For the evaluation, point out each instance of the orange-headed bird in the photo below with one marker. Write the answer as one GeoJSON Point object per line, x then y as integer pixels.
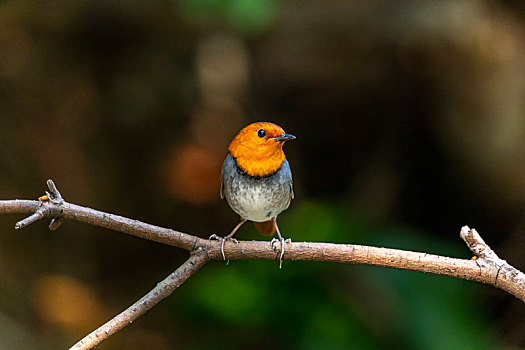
{"type": "Point", "coordinates": [257, 180]}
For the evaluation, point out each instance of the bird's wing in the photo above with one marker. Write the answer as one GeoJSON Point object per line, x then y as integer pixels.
{"type": "Point", "coordinates": [222, 185]}
{"type": "Point", "coordinates": [291, 195]}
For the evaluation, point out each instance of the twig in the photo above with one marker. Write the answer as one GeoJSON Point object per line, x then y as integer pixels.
{"type": "Point", "coordinates": [39, 214]}
{"type": "Point", "coordinates": [486, 268]}
{"type": "Point", "coordinates": [55, 198]}
{"type": "Point", "coordinates": [503, 275]}
{"type": "Point", "coordinates": [161, 291]}
{"type": "Point", "coordinates": [55, 194]}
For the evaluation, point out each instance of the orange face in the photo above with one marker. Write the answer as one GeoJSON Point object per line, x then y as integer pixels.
{"type": "Point", "coordinates": [258, 148]}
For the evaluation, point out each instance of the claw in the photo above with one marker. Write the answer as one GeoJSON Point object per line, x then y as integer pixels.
{"type": "Point", "coordinates": [223, 239]}
{"type": "Point", "coordinates": [283, 242]}
{"type": "Point", "coordinates": [274, 240]}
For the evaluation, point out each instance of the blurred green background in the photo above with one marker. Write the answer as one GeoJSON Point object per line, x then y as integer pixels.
{"type": "Point", "coordinates": [410, 123]}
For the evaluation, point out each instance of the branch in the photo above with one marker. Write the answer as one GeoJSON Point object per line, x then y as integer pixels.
{"type": "Point", "coordinates": [161, 291]}
{"type": "Point", "coordinates": [485, 267]}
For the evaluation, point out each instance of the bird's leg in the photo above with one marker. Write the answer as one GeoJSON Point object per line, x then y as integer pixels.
{"type": "Point", "coordinates": [229, 237]}
{"type": "Point", "coordinates": [282, 240]}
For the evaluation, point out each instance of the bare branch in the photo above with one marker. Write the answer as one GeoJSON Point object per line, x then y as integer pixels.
{"type": "Point", "coordinates": [55, 194]}
{"type": "Point", "coordinates": [55, 198]}
{"type": "Point", "coordinates": [98, 218]}
{"type": "Point", "coordinates": [39, 214]}
{"type": "Point", "coordinates": [506, 276]}
{"type": "Point", "coordinates": [478, 246]}
{"type": "Point", "coordinates": [161, 291]}
{"type": "Point", "coordinates": [486, 267]}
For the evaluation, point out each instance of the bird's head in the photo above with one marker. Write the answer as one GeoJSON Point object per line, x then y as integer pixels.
{"type": "Point", "coordinates": [258, 148]}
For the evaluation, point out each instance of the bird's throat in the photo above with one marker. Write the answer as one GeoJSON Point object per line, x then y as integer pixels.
{"type": "Point", "coordinates": [261, 167]}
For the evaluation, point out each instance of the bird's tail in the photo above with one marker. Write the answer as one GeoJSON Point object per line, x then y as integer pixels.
{"type": "Point", "coordinates": [265, 228]}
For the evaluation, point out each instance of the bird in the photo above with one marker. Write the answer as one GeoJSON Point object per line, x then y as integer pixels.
{"type": "Point", "coordinates": [256, 180]}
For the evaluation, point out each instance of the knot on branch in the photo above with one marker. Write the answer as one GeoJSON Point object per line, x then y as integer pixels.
{"type": "Point", "coordinates": [50, 205]}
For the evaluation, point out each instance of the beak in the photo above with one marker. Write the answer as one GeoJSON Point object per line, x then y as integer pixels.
{"type": "Point", "coordinates": [284, 137]}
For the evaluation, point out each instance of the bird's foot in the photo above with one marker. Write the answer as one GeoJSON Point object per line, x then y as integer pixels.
{"type": "Point", "coordinates": [223, 239]}
{"type": "Point", "coordinates": [282, 241]}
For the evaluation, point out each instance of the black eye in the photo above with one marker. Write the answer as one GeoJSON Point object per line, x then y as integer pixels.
{"type": "Point", "coordinates": [261, 133]}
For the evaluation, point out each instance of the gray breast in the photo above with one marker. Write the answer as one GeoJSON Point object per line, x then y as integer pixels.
{"type": "Point", "coordinates": [256, 198]}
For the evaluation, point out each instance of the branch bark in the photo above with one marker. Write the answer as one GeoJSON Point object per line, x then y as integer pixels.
{"type": "Point", "coordinates": [485, 267]}
{"type": "Point", "coordinates": [161, 291]}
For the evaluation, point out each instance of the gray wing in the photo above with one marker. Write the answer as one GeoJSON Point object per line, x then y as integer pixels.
{"type": "Point", "coordinates": [291, 195]}
{"type": "Point", "coordinates": [286, 172]}
{"type": "Point", "coordinates": [226, 171]}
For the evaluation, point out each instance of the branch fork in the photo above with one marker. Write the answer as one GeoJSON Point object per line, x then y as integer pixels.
{"type": "Point", "coordinates": [478, 246]}
{"type": "Point", "coordinates": [49, 205]}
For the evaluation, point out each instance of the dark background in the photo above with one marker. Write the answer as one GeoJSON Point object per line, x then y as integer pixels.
{"type": "Point", "coordinates": [410, 123]}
